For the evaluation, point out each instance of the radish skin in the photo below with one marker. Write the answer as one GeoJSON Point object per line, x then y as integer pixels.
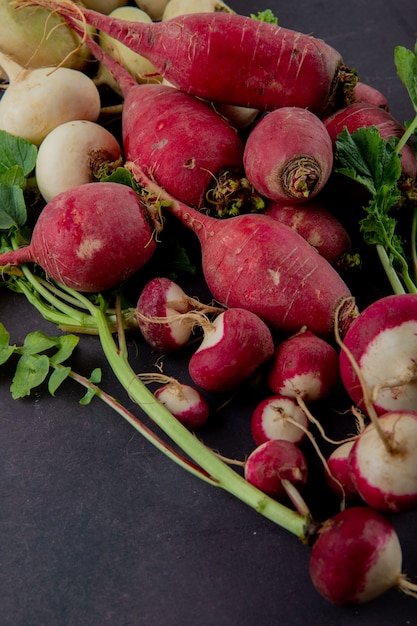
{"type": "Point", "coordinates": [185, 402]}
{"type": "Point", "coordinates": [339, 468]}
{"type": "Point", "coordinates": [278, 417]}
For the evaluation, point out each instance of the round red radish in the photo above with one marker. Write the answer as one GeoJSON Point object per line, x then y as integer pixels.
{"type": "Point", "coordinates": [234, 346]}
{"type": "Point", "coordinates": [356, 557]}
{"type": "Point", "coordinates": [185, 402]}
{"type": "Point", "coordinates": [366, 93]}
{"type": "Point", "coordinates": [318, 226]}
{"type": "Point", "coordinates": [338, 464]}
{"type": "Point", "coordinates": [304, 365]}
{"type": "Point", "coordinates": [90, 237]}
{"type": "Point", "coordinates": [383, 343]}
{"type": "Point", "coordinates": [273, 461]}
{"type": "Point", "coordinates": [274, 417]}
{"type": "Point", "coordinates": [386, 477]}
{"type": "Point", "coordinates": [288, 155]}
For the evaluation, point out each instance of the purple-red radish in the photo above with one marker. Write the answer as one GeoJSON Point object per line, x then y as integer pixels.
{"type": "Point", "coordinates": [304, 366]}
{"type": "Point", "coordinates": [185, 402]}
{"type": "Point", "coordinates": [366, 93]}
{"type": "Point", "coordinates": [207, 54]}
{"type": "Point", "coordinates": [364, 115]}
{"type": "Point", "coordinates": [235, 344]}
{"type": "Point", "coordinates": [254, 262]}
{"type": "Point", "coordinates": [357, 557]}
{"type": "Point", "coordinates": [383, 343]}
{"type": "Point", "coordinates": [339, 477]}
{"type": "Point", "coordinates": [288, 155]}
{"type": "Point", "coordinates": [274, 461]}
{"type": "Point", "coordinates": [383, 462]}
{"type": "Point", "coordinates": [278, 417]}
{"type": "Point", "coordinates": [316, 224]}
{"type": "Point", "coordinates": [81, 240]}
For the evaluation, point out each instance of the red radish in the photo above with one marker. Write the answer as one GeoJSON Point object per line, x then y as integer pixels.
{"type": "Point", "coordinates": [339, 469]}
{"type": "Point", "coordinates": [234, 346]}
{"type": "Point", "coordinates": [185, 402]}
{"type": "Point", "coordinates": [207, 54]}
{"type": "Point", "coordinates": [383, 343]}
{"type": "Point", "coordinates": [304, 366]}
{"type": "Point", "coordinates": [288, 155]}
{"type": "Point", "coordinates": [366, 93]}
{"type": "Point", "coordinates": [273, 461]}
{"type": "Point", "coordinates": [384, 465]}
{"type": "Point", "coordinates": [278, 417]}
{"type": "Point", "coordinates": [81, 241]}
{"type": "Point", "coordinates": [356, 557]}
{"type": "Point", "coordinates": [316, 224]}
{"type": "Point", "coordinates": [363, 115]}
{"type": "Point", "coordinates": [257, 263]}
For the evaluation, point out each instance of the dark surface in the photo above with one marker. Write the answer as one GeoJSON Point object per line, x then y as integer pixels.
{"type": "Point", "coordinates": [100, 529]}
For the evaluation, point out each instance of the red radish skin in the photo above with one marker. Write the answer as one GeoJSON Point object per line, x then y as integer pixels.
{"type": "Point", "coordinates": [234, 346]}
{"type": "Point", "coordinates": [366, 93]}
{"type": "Point", "coordinates": [288, 155]}
{"type": "Point", "coordinates": [257, 263]}
{"type": "Point", "coordinates": [316, 224]}
{"type": "Point", "coordinates": [81, 240]}
{"type": "Point", "coordinates": [304, 366]}
{"type": "Point", "coordinates": [278, 417]}
{"type": "Point", "coordinates": [199, 54]}
{"type": "Point", "coordinates": [185, 402]}
{"type": "Point", "coordinates": [383, 342]}
{"type": "Point", "coordinates": [273, 461]}
{"type": "Point", "coordinates": [363, 115]}
{"type": "Point", "coordinates": [386, 478]}
{"type": "Point", "coordinates": [338, 464]}
{"type": "Point", "coordinates": [356, 558]}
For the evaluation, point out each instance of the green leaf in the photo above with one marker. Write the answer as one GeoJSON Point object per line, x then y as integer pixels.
{"type": "Point", "coordinates": [57, 377]}
{"type": "Point", "coordinates": [265, 16]}
{"type": "Point", "coordinates": [6, 350]}
{"type": "Point", "coordinates": [66, 346]}
{"type": "Point", "coordinates": [406, 64]}
{"type": "Point", "coordinates": [120, 175]}
{"type": "Point", "coordinates": [16, 151]}
{"type": "Point", "coordinates": [31, 371]}
{"type": "Point", "coordinates": [38, 342]}
{"type": "Point", "coordinates": [13, 177]}
{"type": "Point", "coordinates": [12, 207]}
{"type": "Point", "coordinates": [95, 378]}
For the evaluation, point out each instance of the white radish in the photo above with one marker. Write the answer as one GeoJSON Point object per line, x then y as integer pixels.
{"type": "Point", "coordinates": [36, 101]}
{"type": "Point", "coordinates": [278, 417]}
{"type": "Point", "coordinates": [154, 8]}
{"type": "Point", "coordinates": [104, 6]}
{"type": "Point", "coordinates": [182, 7]}
{"type": "Point", "coordinates": [75, 153]}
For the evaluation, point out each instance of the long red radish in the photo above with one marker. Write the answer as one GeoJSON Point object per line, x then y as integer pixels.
{"type": "Point", "coordinates": [230, 58]}
{"type": "Point", "coordinates": [254, 262]}
{"type": "Point", "coordinates": [83, 241]}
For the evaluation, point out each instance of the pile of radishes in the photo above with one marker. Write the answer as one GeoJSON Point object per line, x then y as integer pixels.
{"type": "Point", "coordinates": [199, 143]}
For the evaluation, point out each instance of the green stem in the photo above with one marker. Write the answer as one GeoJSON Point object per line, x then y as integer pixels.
{"type": "Point", "coordinates": [406, 135]}
{"type": "Point", "coordinates": [391, 274]}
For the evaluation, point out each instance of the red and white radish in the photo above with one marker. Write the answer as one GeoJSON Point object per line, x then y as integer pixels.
{"type": "Point", "coordinates": [82, 242]}
{"type": "Point", "coordinates": [257, 263]}
{"type": "Point", "coordinates": [278, 417]}
{"type": "Point", "coordinates": [36, 100]}
{"type": "Point", "coordinates": [235, 344]}
{"type": "Point", "coordinates": [319, 227]}
{"type": "Point", "coordinates": [199, 54]}
{"type": "Point", "coordinates": [288, 155]}
{"type": "Point", "coordinates": [75, 153]}
{"type": "Point", "coordinates": [185, 402]}
{"type": "Point", "coordinates": [304, 366]}
{"type": "Point", "coordinates": [274, 461]}
{"type": "Point", "coordinates": [356, 557]}
{"type": "Point", "coordinates": [339, 475]}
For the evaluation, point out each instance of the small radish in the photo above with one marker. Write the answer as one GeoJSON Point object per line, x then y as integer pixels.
{"type": "Point", "coordinates": [278, 417]}
{"type": "Point", "coordinates": [235, 344]}
{"type": "Point", "coordinates": [274, 461]}
{"type": "Point", "coordinates": [339, 469]}
{"type": "Point", "coordinates": [288, 155]}
{"type": "Point", "coordinates": [36, 101]}
{"type": "Point", "coordinates": [184, 401]}
{"type": "Point", "coordinates": [357, 557]}
{"type": "Point", "coordinates": [81, 241]}
{"type": "Point", "coordinates": [316, 224]}
{"type": "Point", "coordinates": [304, 366]}
{"type": "Point", "coordinates": [75, 153]}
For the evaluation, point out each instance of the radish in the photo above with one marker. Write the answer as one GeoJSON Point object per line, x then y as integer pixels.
{"type": "Point", "coordinates": [104, 6]}
{"type": "Point", "coordinates": [362, 114]}
{"type": "Point", "coordinates": [82, 242]}
{"type": "Point", "coordinates": [274, 461]}
{"type": "Point", "coordinates": [174, 8]}
{"type": "Point", "coordinates": [154, 8]}
{"type": "Point", "coordinates": [75, 153]}
{"type": "Point", "coordinates": [383, 343]}
{"type": "Point", "coordinates": [339, 477]}
{"type": "Point", "coordinates": [235, 344]}
{"type": "Point", "coordinates": [207, 54]}
{"type": "Point", "coordinates": [366, 93]}
{"type": "Point", "coordinates": [257, 263]}
{"type": "Point", "coordinates": [357, 557]}
{"type": "Point", "coordinates": [36, 101]}
{"type": "Point", "coordinates": [278, 417]}
{"type": "Point", "coordinates": [288, 155]}
{"type": "Point", "coordinates": [304, 366]}
{"type": "Point", "coordinates": [319, 227]}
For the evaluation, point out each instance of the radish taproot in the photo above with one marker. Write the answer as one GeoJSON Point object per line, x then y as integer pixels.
{"type": "Point", "coordinates": [82, 242]}
{"type": "Point", "coordinates": [199, 53]}
{"type": "Point", "coordinates": [288, 155]}
{"type": "Point", "coordinates": [278, 417]}
{"type": "Point", "coordinates": [257, 263]}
